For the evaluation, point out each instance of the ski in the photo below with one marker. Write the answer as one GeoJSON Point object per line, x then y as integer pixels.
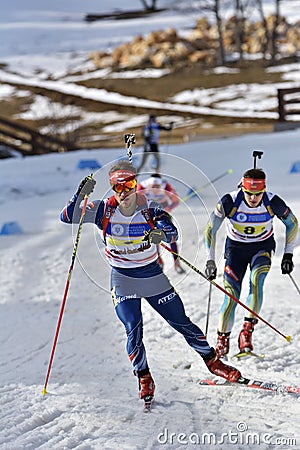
{"type": "Point", "coordinates": [244, 354]}
{"type": "Point", "coordinates": [148, 400]}
{"type": "Point", "coordinates": [255, 384]}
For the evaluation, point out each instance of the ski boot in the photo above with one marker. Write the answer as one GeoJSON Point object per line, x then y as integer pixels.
{"type": "Point", "coordinates": [178, 267]}
{"type": "Point", "coordinates": [146, 384]}
{"type": "Point", "coordinates": [217, 367]}
{"type": "Point", "coordinates": [245, 336]}
{"type": "Point", "coordinates": [222, 346]}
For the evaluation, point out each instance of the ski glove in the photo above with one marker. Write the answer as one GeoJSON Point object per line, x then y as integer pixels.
{"type": "Point", "coordinates": [168, 228]}
{"type": "Point", "coordinates": [211, 269]}
{"type": "Point", "coordinates": [155, 236]}
{"type": "Point", "coordinates": [287, 264]}
{"type": "Point", "coordinates": [86, 186]}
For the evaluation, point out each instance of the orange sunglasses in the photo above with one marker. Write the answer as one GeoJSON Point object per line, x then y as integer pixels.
{"type": "Point", "coordinates": [126, 186]}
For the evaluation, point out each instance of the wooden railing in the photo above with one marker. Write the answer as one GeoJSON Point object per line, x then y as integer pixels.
{"type": "Point", "coordinates": [29, 141]}
{"type": "Point", "coordinates": [288, 100]}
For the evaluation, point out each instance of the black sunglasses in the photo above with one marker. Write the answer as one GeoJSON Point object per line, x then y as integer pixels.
{"type": "Point", "coordinates": [252, 193]}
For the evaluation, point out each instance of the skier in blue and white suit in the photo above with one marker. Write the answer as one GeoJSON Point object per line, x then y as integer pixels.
{"type": "Point", "coordinates": [248, 213]}
{"type": "Point", "coordinates": [131, 227]}
{"type": "Point", "coordinates": [151, 134]}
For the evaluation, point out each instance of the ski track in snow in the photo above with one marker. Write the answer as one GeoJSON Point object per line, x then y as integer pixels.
{"type": "Point", "coordinates": [92, 400]}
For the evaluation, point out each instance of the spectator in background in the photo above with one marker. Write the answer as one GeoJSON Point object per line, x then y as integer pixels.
{"type": "Point", "coordinates": [159, 190]}
{"type": "Point", "coordinates": [151, 133]}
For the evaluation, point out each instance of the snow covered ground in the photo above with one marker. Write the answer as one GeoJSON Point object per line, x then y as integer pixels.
{"type": "Point", "coordinates": [92, 398]}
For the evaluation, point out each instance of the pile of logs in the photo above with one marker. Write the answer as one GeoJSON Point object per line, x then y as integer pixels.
{"type": "Point", "coordinates": [166, 48]}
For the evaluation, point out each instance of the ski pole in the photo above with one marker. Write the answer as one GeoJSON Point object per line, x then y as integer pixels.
{"type": "Point", "coordinates": [287, 338]}
{"type": "Point", "coordinates": [129, 140]}
{"type": "Point", "coordinates": [294, 283]}
{"type": "Point", "coordinates": [208, 308]}
{"type": "Point", "coordinates": [187, 197]}
{"type": "Point", "coordinates": [44, 391]}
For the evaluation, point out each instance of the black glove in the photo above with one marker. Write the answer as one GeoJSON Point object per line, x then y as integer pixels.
{"type": "Point", "coordinates": [86, 187]}
{"type": "Point", "coordinates": [211, 269]}
{"type": "Point", "coordinates": [156, 235]}
{"type": "Point", "coordinates": [287, 264]}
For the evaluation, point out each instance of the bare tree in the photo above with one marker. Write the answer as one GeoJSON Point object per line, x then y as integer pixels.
{"type": "Point", "coordinates": [271, 34]}
{"type": "Point", "coordinates": [242, 10]}
{"type": "Point", "coordinates": [274, 48]}
{"type": "Point", "coordinates": [214, 6]}
{"type": "Point", "coordinates": [239, 30]}
{"type": "Point", "coordinates": [219, 7]}
{"type": "Point", "coordinates": [220, 31]}
{"type": "Point", "coordinates": [265, 44]}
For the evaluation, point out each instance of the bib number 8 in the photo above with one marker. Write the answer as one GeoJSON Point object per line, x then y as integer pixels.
{"type": "Point", "coordinates": [253, 230]}
{"type": "Point", "coordinates": [249, 230]}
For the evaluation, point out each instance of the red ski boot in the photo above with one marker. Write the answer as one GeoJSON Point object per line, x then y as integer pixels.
{"type": "Point", "coordinates": [217, 367]}
{"type": "Point", "coordinates": [222, 347]}
{"type": "Point", "coordinates": [245, 336]}
{"type": "Point", "coordinates": [146, 386]}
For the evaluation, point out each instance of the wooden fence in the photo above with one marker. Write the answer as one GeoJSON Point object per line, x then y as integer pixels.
{"type": "Point", "coordinates": [288, 103]}
{"type": "Point", "coordinates": [29, 141]}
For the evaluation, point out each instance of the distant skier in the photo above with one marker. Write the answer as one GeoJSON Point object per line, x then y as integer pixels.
{"type": "Point", "coordinates": [132, 226]}
{"type": "Point", "coordinates": [249, 213]}
{"type": "Point", "coordinates": [151, 133]}
{"type": "Point", "coordinates": [159, 190]}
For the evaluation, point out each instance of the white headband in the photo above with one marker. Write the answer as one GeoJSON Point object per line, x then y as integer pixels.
{"type": "Point", "coordinates": [155, 180]}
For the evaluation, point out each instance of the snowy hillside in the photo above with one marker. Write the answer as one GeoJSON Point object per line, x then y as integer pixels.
{"type": "Point", "coordinates": [92, 400]}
